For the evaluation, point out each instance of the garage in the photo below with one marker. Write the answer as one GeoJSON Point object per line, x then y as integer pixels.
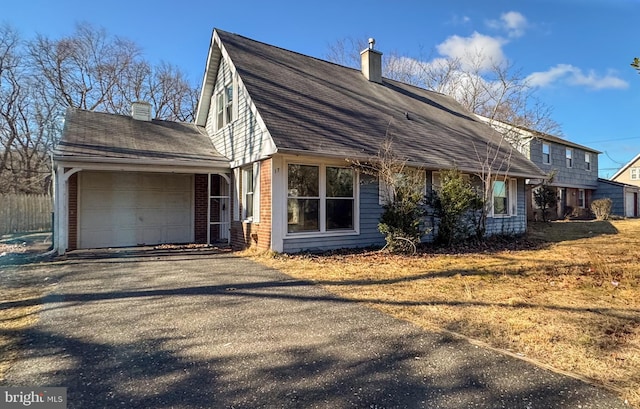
{"type": "Point", "coordinates": [121, 209]}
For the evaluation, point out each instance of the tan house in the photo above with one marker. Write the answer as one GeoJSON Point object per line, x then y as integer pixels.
{"type": "Point", "coordinates": [629, 173]}
{"type": "Point", "coordinates": [267, 162]}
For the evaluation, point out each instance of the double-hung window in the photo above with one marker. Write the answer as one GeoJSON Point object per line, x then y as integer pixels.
{"type": "Point", "coordinates": [224, 106]}
{"type": "Point", "coordinates": [248, 186]}
{"type": "Point", "coordinates": [569, 156]}
{"type": "Point", "coordinates": [587, 161]}
{"type": "Point", "coordinates": [504, 197]}
{"type": "Point", "coordinates": [546, 153]}
{"type": "Point", "coordinates": [635, 173]}
{"type": "Point", "coordinates": [320, 198]}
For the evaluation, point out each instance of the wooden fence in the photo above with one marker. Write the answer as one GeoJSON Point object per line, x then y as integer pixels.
{"type": "Point", "coordinates": [23, 213]}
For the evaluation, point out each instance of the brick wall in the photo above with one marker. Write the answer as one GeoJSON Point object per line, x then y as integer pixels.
{"type": "Point", "coordinates": [73, 212]}
{"type": "Point", "coordinates": [200, 208]}
{"type": "Point", "coordinates": [244, 235]}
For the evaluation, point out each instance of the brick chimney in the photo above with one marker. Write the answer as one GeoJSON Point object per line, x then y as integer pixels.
{"type": "Point", "coordinates": [371, 61]}
{"type": "Point", "coordinates": [141, 111]}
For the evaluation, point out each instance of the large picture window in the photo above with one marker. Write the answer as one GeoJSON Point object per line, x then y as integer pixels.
{"type": "Point", "coordinates": [320, 198]}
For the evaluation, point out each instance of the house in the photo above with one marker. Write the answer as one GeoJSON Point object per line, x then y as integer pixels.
{"type": "Point", "coordinates": [624, 197]}
{"type": "Point", "coordinates": [630, 173]}
{"type": "Point", "coordinates": [268, 160]}
{"type": "Point", "coordinates": [575, 167]}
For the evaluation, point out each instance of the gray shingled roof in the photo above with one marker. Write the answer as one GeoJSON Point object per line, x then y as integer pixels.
{"type": "Point", "coordinates": [99, 136]}
{"type": "Point", "coordinates": [317, 107]}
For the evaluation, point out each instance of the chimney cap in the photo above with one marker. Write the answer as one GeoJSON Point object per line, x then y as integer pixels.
{"type": "Point", "coordinates": [372, 42]}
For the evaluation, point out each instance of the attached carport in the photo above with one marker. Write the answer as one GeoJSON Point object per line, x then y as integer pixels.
{"type": "Point", "coordinates": [125, 181]}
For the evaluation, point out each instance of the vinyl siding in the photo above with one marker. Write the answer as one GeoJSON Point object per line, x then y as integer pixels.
{"type": "Point", "coordinates": [369, 236]}
{"type": "Point", "coordinates": [243, 140]}
{"type": "Point", "coordinates": [513, 224]}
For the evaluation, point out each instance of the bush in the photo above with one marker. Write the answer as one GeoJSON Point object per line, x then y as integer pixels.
{"type": "Point", "coordinates": [454, 204]}
{"type": "Point", "coordinates": [401, 221]}
{"type": "Point", "coordinates": [602, 208]}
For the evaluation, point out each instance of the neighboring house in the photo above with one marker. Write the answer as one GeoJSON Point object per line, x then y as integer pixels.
{"type": "Point", "coordinates": [575, 167]}
{"type": "Point", "coordinates": [624, 197]}
{"type": "Point", "coordinates": [630, 173]}
{"type": "Point", "coordinates": [268, 160]}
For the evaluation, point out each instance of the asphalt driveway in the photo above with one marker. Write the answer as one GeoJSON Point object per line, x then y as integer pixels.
{"type": "Point", "coordinates": [196, 329]}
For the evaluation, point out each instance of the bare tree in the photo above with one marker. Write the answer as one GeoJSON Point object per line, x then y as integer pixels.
{"type": "Point", "coordinates": [89, 69]}
{"type": "Point", "coordinates": [95, 71]}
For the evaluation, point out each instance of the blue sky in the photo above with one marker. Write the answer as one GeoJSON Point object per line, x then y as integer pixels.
{"type": "Point", "coordinates": [576, 52]}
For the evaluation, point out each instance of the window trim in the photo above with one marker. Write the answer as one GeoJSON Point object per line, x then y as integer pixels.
{"type": "Point", "coordinates": [384, 191]}
{"type": "Point", "coordinates": [548, 157]}
{"type": "Point", "coordinates": [511, 185]}
{"type": "Point", "coordinates": [322, 198]}
{"type": "Point", "coordinates": [224, 107]}
{"type": "Point", "coordinates": [569, 157]}
{"type": "Point", "coordinates": [254, 217]}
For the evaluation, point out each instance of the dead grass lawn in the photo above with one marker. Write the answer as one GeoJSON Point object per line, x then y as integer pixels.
{"type": "Point", "coordinates": [12, 321]}
{"type": "Point", "coordinates": [573, 303]}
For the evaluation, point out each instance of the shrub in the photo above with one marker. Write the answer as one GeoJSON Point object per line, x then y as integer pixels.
{"type": "Point", "coordinates": [454, 205]}
{"type": "Point", "coordinates": [401, 221]}
{"type": "Point", "coordinates": [602, 208]}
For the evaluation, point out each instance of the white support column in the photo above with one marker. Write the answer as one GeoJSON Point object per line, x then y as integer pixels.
{"type": "Point", "coordinates": [61, 208]}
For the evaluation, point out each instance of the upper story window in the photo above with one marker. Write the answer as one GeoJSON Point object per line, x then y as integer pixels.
{"type": "Point", "coordinates": [546, 153]}
{"type": "Point", "coordinates": [587, 160]}
{"type": "Point", "coordinates": [569, 156]}
{"type": "Point", "coordinates": [504, 198]}
{"type": "Point", "coordinates": [320, 198]}
{"type": "Point", "coordinates": [635, 173]}
{"type": "Point", "coordinates": [225, 112]}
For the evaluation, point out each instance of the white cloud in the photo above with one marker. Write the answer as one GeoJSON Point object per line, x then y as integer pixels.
{"type": "Point", "coordinates": [575, 76]}
{"type": "Point", "coordinates": [513, 22]}
{"type": "Point", "coordinates": [478, 50]}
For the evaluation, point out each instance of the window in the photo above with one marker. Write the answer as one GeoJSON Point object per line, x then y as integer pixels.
{"type": "Point", "coordinates": [219, 110]}
{"type": "Point", "coordinates": [228, 107]}
{"type": "Point", "coordinates": [340, 201]}
{"type": "Point", "coordinates": [504, 198]}
{"type": "Point", "coordinates": [247, 190]}
{"type": "Point", "coordinates": [569, 156]}
{"type": "Point", "coordinates": [581, 198]}
{"type": "Point", "coordinates": [410, 177]}
{"type": "Point", "coordinates": [546, 153]}
{"type": "Point", "coordinates": [587, 161]}
{"type": "Point", "coordinates": [635, 173]}
{"type": "Point", "coordinates": [320, 198]}
{"type": "Point", "coordinates": [224, 106]}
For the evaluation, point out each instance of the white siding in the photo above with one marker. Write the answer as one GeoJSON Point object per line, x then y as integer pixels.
{"type": "Point", "coordinates": [244, 140]}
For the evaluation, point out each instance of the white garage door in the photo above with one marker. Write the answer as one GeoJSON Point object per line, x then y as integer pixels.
{"type": "Point", "coordinates": [119, 209]}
